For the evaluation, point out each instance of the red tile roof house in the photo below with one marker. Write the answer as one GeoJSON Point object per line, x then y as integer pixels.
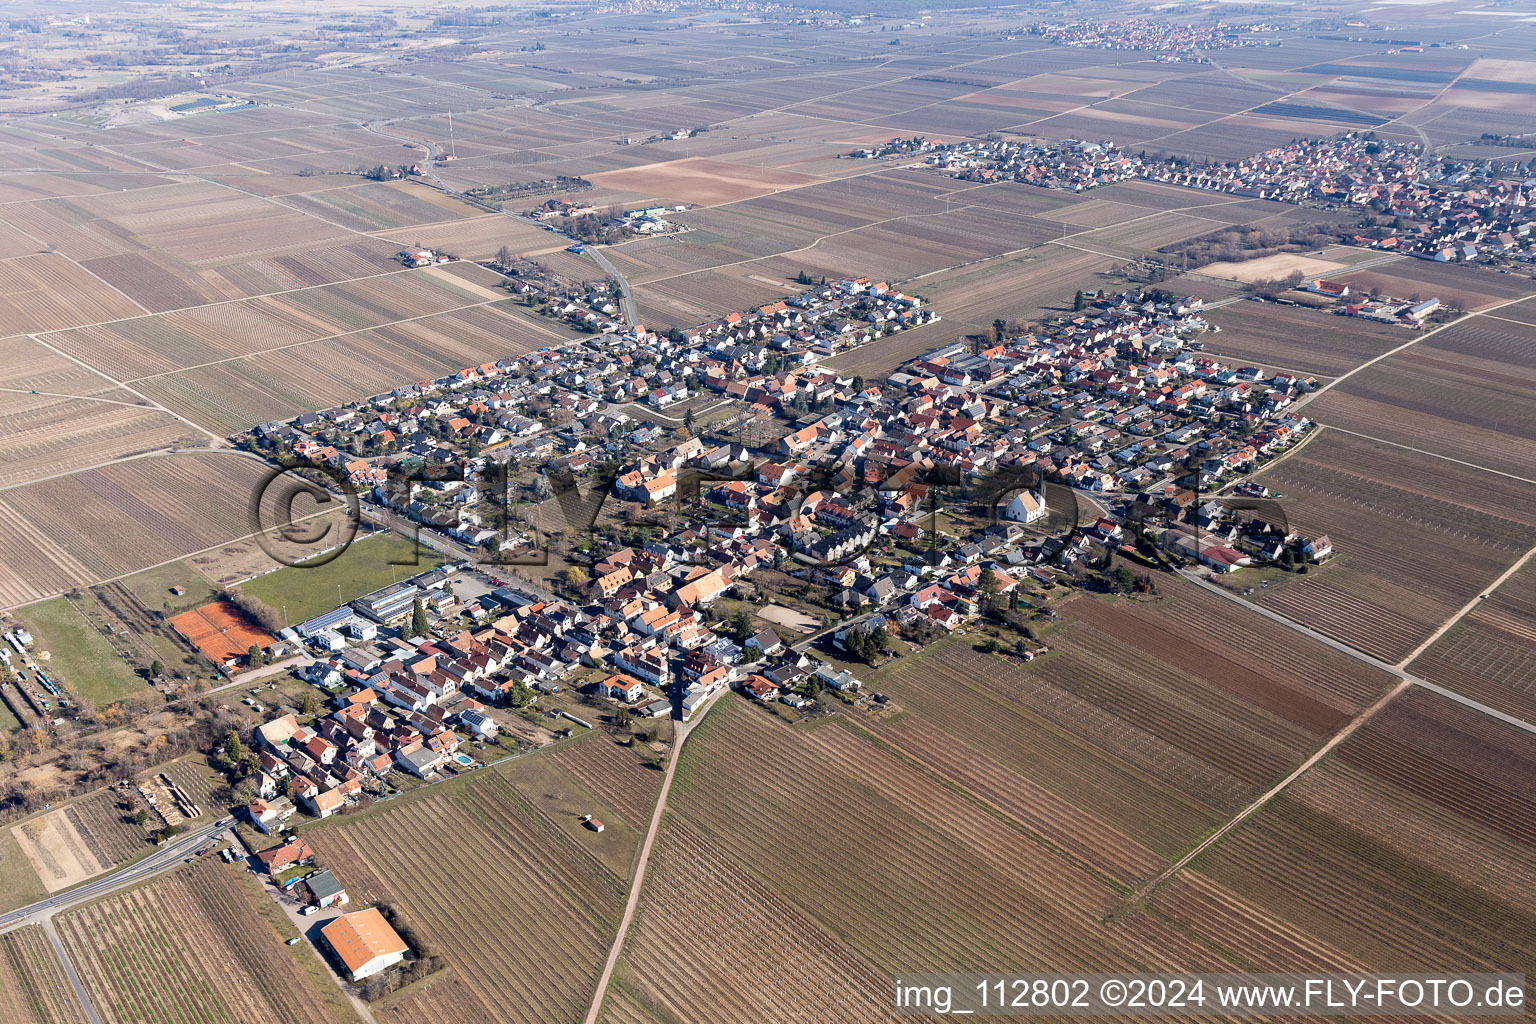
{"type": "Point", "coordinates": [279, 858]}
{"type": "Point", "coordinates": [1332, 289]}
{"type": "Point", "coordinates": [759, 688]}
{"type": "Point", "coordinates": [943, 615]}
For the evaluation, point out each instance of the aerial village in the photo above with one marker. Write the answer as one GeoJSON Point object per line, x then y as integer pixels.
{"type": "Point", "coordinates": [830, 481]}
{"type": "Point", "coordinates": [1175, 42]}
{"type": "Point", "coordinates": [1444, 210]}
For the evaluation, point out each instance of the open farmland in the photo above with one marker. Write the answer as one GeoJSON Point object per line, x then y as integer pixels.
{"type": "Point", "coordinates": [151, 345]}
{"type": "Point", "coordinates": [479, 237]}
{"type": "Point", "coordinates": [96, 832]}
{"type": "Point", "coordinates": [228, 365]}
{"type": "Point", "coordinates": [1470, 288]}
{"type": "Point", "coordinates": [1411, 845]}
{"type": "Point", "coordinates": [28, 365]}
{"type": "Point", "coordinates": [189, 946]}
{"type": "Point", "coordinates": [1523, 312]}
{"type": "Point", "coordinates": [62, 848]}
{"type": "Point", "coordinates": [1414, 538]}
{"type": "Point", "coordinates": [33, 988]}
{"type": "Point", "coordinates": [766, 846]}
{"type": "Point", "coordinates": [194, 221]}
{"type": "Point", "coordinates": [42, 435]}
{"type": "Point", "coordinates": [509, 840]}
{"type": "Point", "coordinates": [159, 282]}
{"type": "Point", "coordinates": [1146, 723]}
{"type": "Point", "coordinates": [1406, 822]}
{"type": "Point", "coordinates": [1300, 340]}
{"type": "Point", "coordinates": [103, 523]}
{"type": "Point", "coordinates": [234, 393]}
{"type": "Point", "coordinates": [103, 827]}
{"type": "Point", "coordinates": [381, 206]}
{"type": "Point", "coordinates": [1015, 288]}
{"type": "Point", "coordinates": [769, 843]}
{"type": "Point", "coordinates": [865, 224]}
{"type": "Point", "coordinates": [1465, 393]}
{"type": "Point", "coordinates": [614, 774]}
{"type": "Point", "coordinates": [196, 242]}
{"type": "Point", "coordinates": [700, 181]}
{"type": "Point", "coordinates": [1490, 655]}
{"type": "Point", "coordinates": [47, 292]}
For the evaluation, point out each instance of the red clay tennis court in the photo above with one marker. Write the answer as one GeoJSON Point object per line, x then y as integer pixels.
{"type": "Point", "coordinates": [221, 631]}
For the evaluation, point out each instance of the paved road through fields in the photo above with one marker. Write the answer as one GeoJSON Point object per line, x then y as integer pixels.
{"type": "Point", "coordinates": [163, 859]}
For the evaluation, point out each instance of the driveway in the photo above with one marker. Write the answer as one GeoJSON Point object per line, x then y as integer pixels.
{"type": "Point", "coordinates": [308, 927]}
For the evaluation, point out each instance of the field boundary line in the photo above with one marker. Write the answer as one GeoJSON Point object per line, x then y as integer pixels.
{"type": "Point", "coordinates": [1369, 659]}
{"type": "Point", "coordinates": [1507, 320]}
{"type": "Point", "coordinates": [157, 565]}
{"type": "Point", "coordinates": [684, 730]}
{"type": "Point", "coordinates": [1341, 378]}
{"type": "Point", "coordinates": [1094, 252]}
{"type": "Point", "coordinates": [808, 246]}
{"type": "Point", "coordinates": [1462, 612]}
{"type": "Point", "coordinates": [1274, 791]}
{"type": "Point", "coordinates": [314, 341]}
{"type": "Point", "coordinates": [1008, 254]}
{"type": "Point", "coordinates": [283, 206]}
{"type": "Point", "coordinates": [78, 398]}
{"type": "Point", "coordinates": [1425, 451]}
{"type": "Point", "coordinates": [83, 195]}
{"type": "Point", "coordinates": [157, 453]}
{"type": "Point", "coordinates": [1080, 107]}
{"type": "Point", "coordinates": [223, 302]}
{"type": "Point", "coordinates": [81, 266]}
{"type": "Point", "coordinates": [81, 995]}
{"type": "Point", "coordinates": [216, 438]}
{"type": "Point", "coordinates": [1248, 110]}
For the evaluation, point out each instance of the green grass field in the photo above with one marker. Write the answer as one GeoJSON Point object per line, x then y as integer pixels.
{"type": "Point", "coordinates": [153, 588]}
{"type": "Point", "coordinates": [81, 656]}
{"type": "Point", "coordinates": [308, 591]}
{"type": "Point", "coordinates": [19, 884]}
